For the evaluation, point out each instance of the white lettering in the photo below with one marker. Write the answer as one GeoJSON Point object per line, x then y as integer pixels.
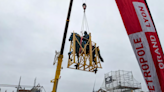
{"type": "Point", "coordinates": [156, 50]}
{"type": "Point", "coordinates": [144, 16]}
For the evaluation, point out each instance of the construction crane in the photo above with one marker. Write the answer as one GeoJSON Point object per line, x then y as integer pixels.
{"type": "Point", "coordinates": [93, 49]}
{"type": "Point", "coordinates": [60, 57]}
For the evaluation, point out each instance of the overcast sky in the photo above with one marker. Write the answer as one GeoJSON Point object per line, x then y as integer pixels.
{"type": "Point", "coordinates": [31, 31]}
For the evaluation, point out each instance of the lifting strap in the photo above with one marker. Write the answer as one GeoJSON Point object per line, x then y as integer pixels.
{"type": "Point", "coordinates": [84, 26]}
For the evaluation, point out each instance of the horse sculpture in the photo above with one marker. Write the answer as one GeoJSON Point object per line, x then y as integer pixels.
{"type": "Point", "coordinates": [83, 42]}
{"type": "Point", "coordinates": [77, 44]}
{"type": "Point", "coordinates": [85, 51]}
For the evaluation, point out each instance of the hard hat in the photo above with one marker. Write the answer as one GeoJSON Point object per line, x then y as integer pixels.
{"type": "Point", "coordinates": [85, 32]}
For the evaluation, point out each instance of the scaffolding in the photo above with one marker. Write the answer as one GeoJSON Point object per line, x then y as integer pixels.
{"type": "Point", "coordinates": [120, 81]}
{"type": "Point", "coordinates": [25, 88]}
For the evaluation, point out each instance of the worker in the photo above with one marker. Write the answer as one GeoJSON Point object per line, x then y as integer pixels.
{"type": "Point", "coordinates": [85, 40]}
{"type": "Point", "coordinates": [85, 37]}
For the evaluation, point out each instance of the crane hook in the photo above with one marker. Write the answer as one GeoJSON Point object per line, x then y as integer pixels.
{"type": "Point", "coordinates": [84, 6]}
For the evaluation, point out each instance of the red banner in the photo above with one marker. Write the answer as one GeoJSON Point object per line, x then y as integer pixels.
{"type": "Point", "coordinates": [145, 42]}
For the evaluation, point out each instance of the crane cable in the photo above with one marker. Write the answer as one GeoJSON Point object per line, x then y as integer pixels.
{"type": "Point", "coordinates": [84, 26]}
{"type": "Point", "coordinates": [83, 1]}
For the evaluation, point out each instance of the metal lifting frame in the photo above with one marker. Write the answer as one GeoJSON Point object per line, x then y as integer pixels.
{"type": "Point", "coordinates": [85, 62]}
